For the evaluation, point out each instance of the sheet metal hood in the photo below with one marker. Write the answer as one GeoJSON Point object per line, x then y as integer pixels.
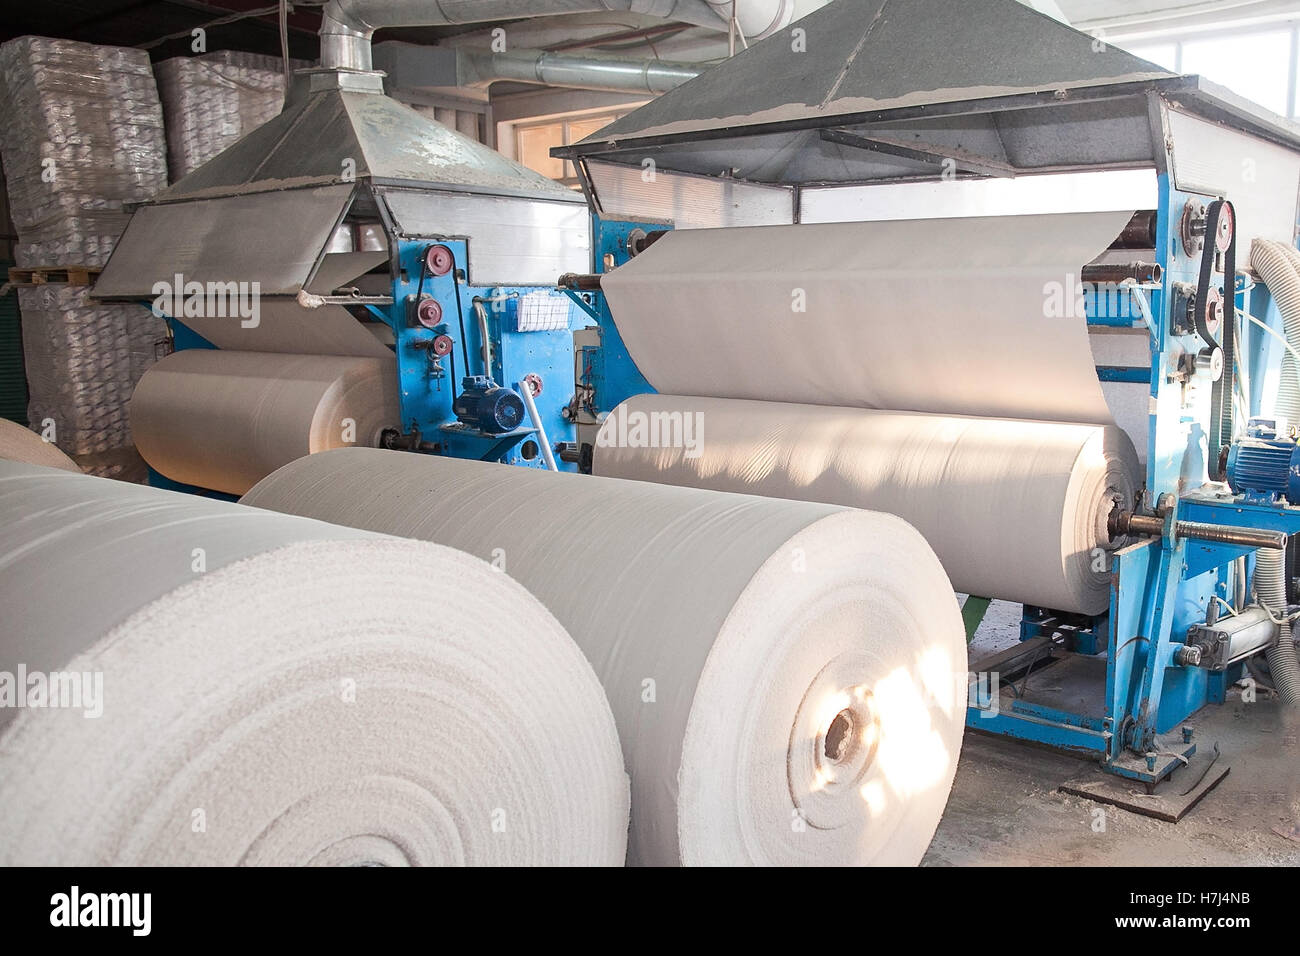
{"type": "Point", "coordinates": [264, 209]}
{"type": "Point", "coordinates": [350, 128]}
{"type": "Point", "coordinates": [865, 90]}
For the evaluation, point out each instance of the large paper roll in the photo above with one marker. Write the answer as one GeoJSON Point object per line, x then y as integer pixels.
{"type": "Point", "coordinates": [223, 420]}
{"type": "Point", "coordinates": [240, 687]}
{"type": "Point", "coordinates": [23, 444]}
{"type": "Point", "coordinates": [789, 679]}
{"type": "Point", "coordinates": [973, 316]}
{"type": "Point", "coordinates": [1015, 509]}
{"type": "Point", "coordinates": [285, 327]}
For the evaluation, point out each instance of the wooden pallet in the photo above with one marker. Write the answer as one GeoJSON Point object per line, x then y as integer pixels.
{"type": "Point", "coordinates": [40, 275]}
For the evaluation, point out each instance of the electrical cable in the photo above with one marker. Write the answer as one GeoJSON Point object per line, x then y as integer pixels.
{"type": "Point", "coordinates": [284, 46]}
{"type": "Point", "coordinates": [1280, 337]}
{"type": "Point", "coordinates": [223, 21]}
{"type": "Point", "coordinates": [1204, 772]}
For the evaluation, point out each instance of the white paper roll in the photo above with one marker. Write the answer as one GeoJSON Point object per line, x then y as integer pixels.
{"type": "Point", "coordinates": [275, 690]}
{"type": "Point", "coordinates": [23, 444]}
{"type": "Point", "coordinates": [285, 327]}
{"type": "Point", "coordinates": [1015, 509]}
{"type": "Point", "coordinates": [223, 420]}
{"type": "Point", "coordinates": [789, 679]}
{"type": "Point", "coordinates": [973, 316]}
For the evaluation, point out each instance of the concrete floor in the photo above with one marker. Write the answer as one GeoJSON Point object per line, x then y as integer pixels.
{"type": "Point", "coordinates": [1005, 808]}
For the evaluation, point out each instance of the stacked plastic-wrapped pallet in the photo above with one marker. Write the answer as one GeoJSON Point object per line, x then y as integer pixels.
{"type": "Point", "coordinates": [82, 139]}
{"type": "Point", "coordinates": [83, 360]}
{"type": "Point", "coordinates": [211, 101]}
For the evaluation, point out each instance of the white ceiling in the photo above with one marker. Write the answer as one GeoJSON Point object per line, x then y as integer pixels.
{"type": "Point", "coordinates": [1123, 16]}
{"type": "Point", "coordinates": [1120, 20]}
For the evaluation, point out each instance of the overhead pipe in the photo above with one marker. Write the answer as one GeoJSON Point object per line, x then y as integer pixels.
{"type": "Point", "coordinates": [348, 25]}
{"type": "Point", "coordinates": [478, 67]}
{"type": "Point", "coordinates": [758, 19]}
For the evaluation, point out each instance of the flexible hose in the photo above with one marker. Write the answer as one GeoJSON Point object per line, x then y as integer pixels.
{"type": "Point", "coordinates": [1283, 662]}
{"type": "Point", "coordinates": [1279, 266]}
{"type": "Point", "coordinates": [1281, 273]}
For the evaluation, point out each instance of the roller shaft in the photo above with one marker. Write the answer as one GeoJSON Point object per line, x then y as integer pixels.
{"type": "Point", "coordinates": [584, 283]}
{"type": "Point", "coordinates": [1143, 273]}
{"type": "Point", "coordinates": [1140, 233]}
{"type": "Point", "coordinates": [1127, 523]}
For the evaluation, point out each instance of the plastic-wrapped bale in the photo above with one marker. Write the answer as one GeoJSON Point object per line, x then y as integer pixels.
{"type": "Point", "coordinates": [211, 101]}
{"type": "Point", "coordinates": [83, 137]}
{"type": "Point", "coordinates": [121, 464]}
{"type": "Point", "coordinates": [84, 359]}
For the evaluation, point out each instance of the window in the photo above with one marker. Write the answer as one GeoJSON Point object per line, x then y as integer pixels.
{"type": "Point", "coordinates": [1258, 64]}
{"type": "Point", "coordinates": [533, 142]}
{"type": "Point", "coordinates": [534, 145]}
{"type": "Point", "coordinates": [1161, 54]}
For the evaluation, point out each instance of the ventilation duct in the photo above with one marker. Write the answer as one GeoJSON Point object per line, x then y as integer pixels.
{"type": "Point", "coordinates": [410, 66]}
{"type": "Point", "coordinates": [348, 25]}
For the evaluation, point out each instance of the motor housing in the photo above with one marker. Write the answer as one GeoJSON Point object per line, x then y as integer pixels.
{"type": "Point", "coordinates": [1265, 464]}
{"type": "Point", "coordinates": [487, 406]}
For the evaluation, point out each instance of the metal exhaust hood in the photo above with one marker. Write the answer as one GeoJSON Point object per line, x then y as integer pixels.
{"type": "Point", "coordinates": [265, 208]}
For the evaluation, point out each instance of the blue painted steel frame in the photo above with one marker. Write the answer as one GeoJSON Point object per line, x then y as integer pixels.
{"type": "Point", "coordinates": [425, 383]}
{"type": "Point", "coordinates": [613, 375]}
{"type": "Point", "coordinates": [1159, 587]}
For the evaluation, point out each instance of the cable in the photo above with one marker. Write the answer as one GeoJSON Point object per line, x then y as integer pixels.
{"type": "Point", "coordinates": [451, 356]}
{"type": "Point", "coordinates": [1144, 306]}
{"type": "Point", "coordinates": [284, 46]}
{"type": "Point", "coordinates": [1262, 682]}
{"type": "Point", "coordinates": [1275, 618]}
{"type": "Point", "coordinates": [231, 18]}
{"type": "Point", "coordinates": [1032, 664]}
{"type": "Point", "coordinates": [1232, 611]}
{"type": "Point", "coordinates": [1243, 377]}
{"type": "Point", "coordinates": [1205, 772]}
{"type": "Point", "coordinates": [1280, 337]}
{"type": "Point", "coordinates": [481, 314]}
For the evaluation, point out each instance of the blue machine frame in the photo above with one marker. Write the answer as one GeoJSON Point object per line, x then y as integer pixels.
{"type": "Point", "coordinates": [1161, 586]}
{"type": "Point", "coordinates": [425, 379]}
{"type": "Point", "coordinates": [426, 382]}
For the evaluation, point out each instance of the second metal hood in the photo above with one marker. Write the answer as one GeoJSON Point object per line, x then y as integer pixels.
{"type": "Point", "coordinates": [350, 132]}
{"type": "Point", "coordinates": [265, 208]}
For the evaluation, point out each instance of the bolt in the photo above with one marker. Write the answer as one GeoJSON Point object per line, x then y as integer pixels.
{"type": "Point", "coordinates": [1151, 762]}
{"type": "Point", "coordinates": [1187, 735]}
